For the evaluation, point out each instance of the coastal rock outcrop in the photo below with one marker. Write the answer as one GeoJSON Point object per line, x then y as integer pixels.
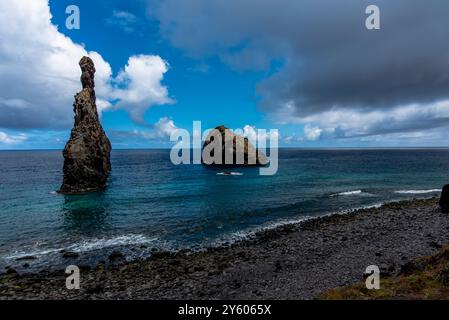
{"type": "Point", "coordinates": [87, 152]}
{"type": "Point", "coordinates": [234, 144]}
{"type": "Point", "coordinates": [444, 200]}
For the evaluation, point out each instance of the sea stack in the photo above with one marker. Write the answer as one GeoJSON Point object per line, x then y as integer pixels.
{"type": "Point", "coordinates": [444, 200]}
{"type": "Point", "coordinates": [232, 143]}
{"type": "Point", "coordinates": [87, 153]}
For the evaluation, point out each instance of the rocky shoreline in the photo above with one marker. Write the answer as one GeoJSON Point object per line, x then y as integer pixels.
{"type": "Point", "coordinates": [297, 261]}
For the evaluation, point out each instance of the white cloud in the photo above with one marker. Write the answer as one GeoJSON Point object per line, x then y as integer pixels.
{"type": "Point", "coordinates": [124, 15]}
{"type": "Point", "coordinates": [347, 123]}
{"type": "Point", "coordinates": [411, 120]}
{"type": "Point", "coordinates": [312, 133]}
{"type": "Point", "coordinates": [12, 139]}
{"type": "Point", "coordinates": [289, 139]}
{"type": "Point", "coordinates": [142, 77]}
{"type": "Point", "coordinates": [124, 19]}
{"type": "Point", "coordinates": [40, 72]}
{"type": "Point", "coordinates": [162, 129]}
{"type": "Point", "coordinates": [251, 132]}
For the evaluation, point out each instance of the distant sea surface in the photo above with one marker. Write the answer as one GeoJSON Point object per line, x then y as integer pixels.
{"type": "Point", "coordinates": [152, 204]}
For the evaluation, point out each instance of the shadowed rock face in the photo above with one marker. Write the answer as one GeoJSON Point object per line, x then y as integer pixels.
{"type": "Point", "coordinates": [444, 200]}
{"type": "Point", "coordinates": [233, 143]}
{"type": "Point", "coordinates": [87, 153]}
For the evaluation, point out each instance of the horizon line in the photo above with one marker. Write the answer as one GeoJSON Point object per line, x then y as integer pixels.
{"type": "Point", "coordinates": [303, 148]}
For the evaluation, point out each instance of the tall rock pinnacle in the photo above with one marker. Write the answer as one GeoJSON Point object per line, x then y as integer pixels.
{"type": "Point", "coordinates": [87, 153]}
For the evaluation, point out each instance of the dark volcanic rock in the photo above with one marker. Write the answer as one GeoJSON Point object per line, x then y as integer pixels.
{"type": "Point", "coordinates": [232, 143]}
{"type": "Point", "coordinates": [70, 254]}
{"type": "Point", "coordinates": [444, 200]}
{"type": "Point", "coordinates": [11, 270]}
{"type": "Point", "coordinates": [26, 258]}
{"type": "Point", "coordinates": [87, 153]}
{"type": "Point", "coordinates": [115, 255]}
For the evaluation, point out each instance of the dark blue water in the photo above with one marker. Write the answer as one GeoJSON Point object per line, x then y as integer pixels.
{"type": "Point", "coordinates": [151, 203]}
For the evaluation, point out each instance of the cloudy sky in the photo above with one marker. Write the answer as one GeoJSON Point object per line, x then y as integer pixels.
{"type": "Point", "coordinates": [308, 68]}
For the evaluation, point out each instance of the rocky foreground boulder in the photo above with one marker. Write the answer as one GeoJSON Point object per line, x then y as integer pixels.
{"type": "Point", "coordinates": [233, 144]}
{"type": "Point", "coordinates": [87, 153]}
{"type": "Point", "coordinates": [444, 200]}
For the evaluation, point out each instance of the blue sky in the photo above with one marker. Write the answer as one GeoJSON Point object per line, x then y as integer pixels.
{"type": "Point", "coordinates": [227, 63]}
{"type": "Point", "coordinates": [204, 90]}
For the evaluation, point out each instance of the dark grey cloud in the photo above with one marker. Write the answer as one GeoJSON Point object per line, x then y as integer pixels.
{"type": "Point", "coordinates": [326, 58]}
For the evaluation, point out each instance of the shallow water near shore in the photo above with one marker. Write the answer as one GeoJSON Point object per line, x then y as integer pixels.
{"type": "Point", "coordinates": [151, 203]}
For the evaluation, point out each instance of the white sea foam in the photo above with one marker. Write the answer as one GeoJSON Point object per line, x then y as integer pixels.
{"type": "Point", "coordinates": [35, 253]}
{"type": "Point", "coordinates": [348, 193]}
{"type": "Point", "coordinates": [229, 174]}
{"type": "Point", "coordinates": [417, 191]}
{"type": "Point", "coordinates": [87, 245]}
{"type": "Point", "coordinates": [93, 244]}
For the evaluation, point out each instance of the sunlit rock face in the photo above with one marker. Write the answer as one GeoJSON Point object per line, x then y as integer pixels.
{"type": "Point", "coordinates": [87, 153]}
{"type": "Point", "coordinates": [222, 138]}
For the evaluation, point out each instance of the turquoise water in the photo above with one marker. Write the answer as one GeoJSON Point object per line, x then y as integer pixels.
{"type": "Point", "coordinates": [151, 203]}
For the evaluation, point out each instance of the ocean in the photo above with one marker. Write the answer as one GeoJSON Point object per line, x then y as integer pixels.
{"type": "Point", "coordinates": [152, 204]}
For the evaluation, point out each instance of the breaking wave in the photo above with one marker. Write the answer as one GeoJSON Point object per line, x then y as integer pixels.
{"type": "Point", "coordinates": [88, 245]}
{"type": "Point", "coordinates": [350, 193]}
{"type": "Point", "coordinates": [417, 191]}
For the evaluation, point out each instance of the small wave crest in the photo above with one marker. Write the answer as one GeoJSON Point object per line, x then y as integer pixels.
{"type": "Point", "coordinates": [229, 174]}
{"type": "Point", "coordinates": [417, 191]}
{"type": "Point", "coordinates": [348, 193]}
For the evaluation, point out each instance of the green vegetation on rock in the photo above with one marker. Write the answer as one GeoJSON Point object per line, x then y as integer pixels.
{"type": "Point", "coordinates": [423, 278]}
